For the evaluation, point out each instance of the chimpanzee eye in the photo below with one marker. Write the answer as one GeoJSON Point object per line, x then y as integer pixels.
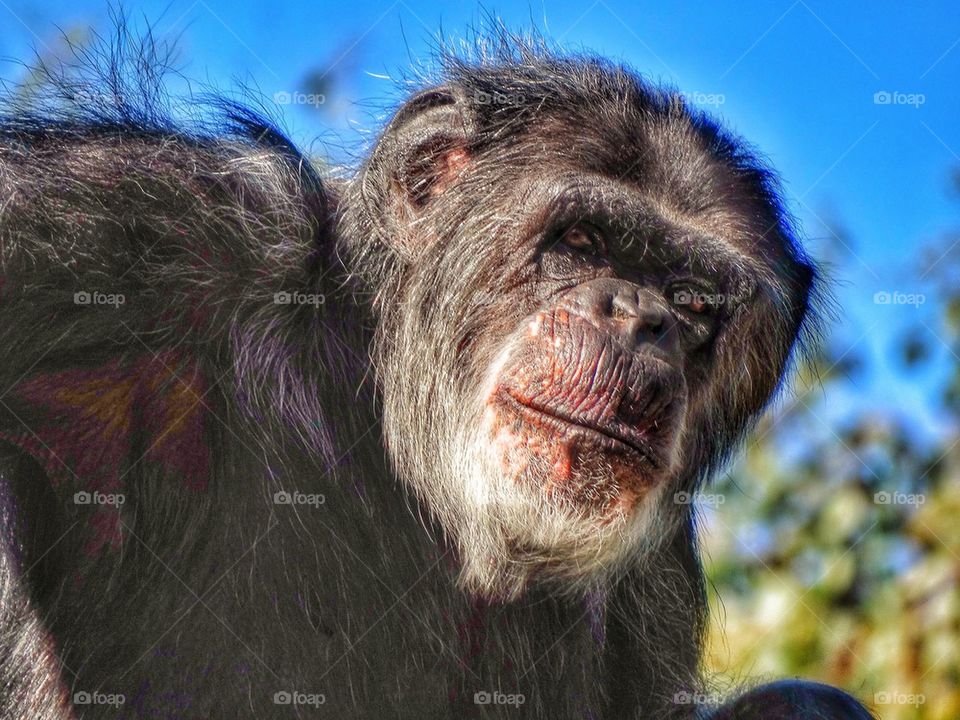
{"type": "Point", "coordinates": [584, 237]}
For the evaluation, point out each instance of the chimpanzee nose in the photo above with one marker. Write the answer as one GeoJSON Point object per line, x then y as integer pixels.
{"type": "Point", "coordinates": [635, 315]}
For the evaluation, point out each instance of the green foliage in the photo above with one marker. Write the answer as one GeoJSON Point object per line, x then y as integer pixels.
{"type": "Point", "coordinates": [836, 552]}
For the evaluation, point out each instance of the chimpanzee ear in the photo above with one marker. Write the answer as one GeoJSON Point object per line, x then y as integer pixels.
{"type": "Point", "coordinates": [430, 137]}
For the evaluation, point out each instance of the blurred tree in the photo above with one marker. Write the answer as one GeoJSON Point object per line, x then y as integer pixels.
{"type": "Point", "coordinates": [837, 554]}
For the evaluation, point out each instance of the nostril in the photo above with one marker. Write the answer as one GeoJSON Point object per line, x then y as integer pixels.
{"type": "Point", "coordinates": [618, 312]}
{"type": "Point", "coordinates": [622, 309]}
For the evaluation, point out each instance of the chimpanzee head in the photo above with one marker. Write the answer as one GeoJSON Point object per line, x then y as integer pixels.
{"type": "Point", "coordinates": [585, 292]}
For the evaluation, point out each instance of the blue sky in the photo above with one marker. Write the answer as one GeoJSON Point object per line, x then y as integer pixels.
{"type": "Point", "coordinates": [799, 79]}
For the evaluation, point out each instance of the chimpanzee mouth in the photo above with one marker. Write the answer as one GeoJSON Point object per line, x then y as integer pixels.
{"type": "Point", "coordinates": [606, 439]}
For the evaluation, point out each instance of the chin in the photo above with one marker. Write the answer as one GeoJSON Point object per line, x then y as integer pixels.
{"type": "Point", "coordinates": [559, 496]}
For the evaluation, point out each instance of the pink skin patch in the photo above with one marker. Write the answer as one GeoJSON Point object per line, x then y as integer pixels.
{"type": "Point", "coordinates": [452, 163]}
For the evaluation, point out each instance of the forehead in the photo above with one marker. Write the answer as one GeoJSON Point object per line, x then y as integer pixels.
{"type": "Point", "coordinates": [655, 174]}
{"type": "Point", "coordinates": [602, 120]}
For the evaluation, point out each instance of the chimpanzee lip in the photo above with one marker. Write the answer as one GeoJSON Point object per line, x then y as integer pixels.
{"type": "Point", "coordinates": [606, 438]}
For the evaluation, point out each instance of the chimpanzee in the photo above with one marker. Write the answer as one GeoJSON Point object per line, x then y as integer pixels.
{"type": "Point", "coordinates": [411, 443]}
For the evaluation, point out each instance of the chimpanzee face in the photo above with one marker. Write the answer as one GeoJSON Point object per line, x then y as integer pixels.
{"type": "Point", "coordinates": [587, 400]}
{"type": "Point", "coordinates": [584, 323]}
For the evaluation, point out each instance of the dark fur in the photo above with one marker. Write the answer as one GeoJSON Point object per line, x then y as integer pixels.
{"type": "Point", "coordinates": [200, 597]}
